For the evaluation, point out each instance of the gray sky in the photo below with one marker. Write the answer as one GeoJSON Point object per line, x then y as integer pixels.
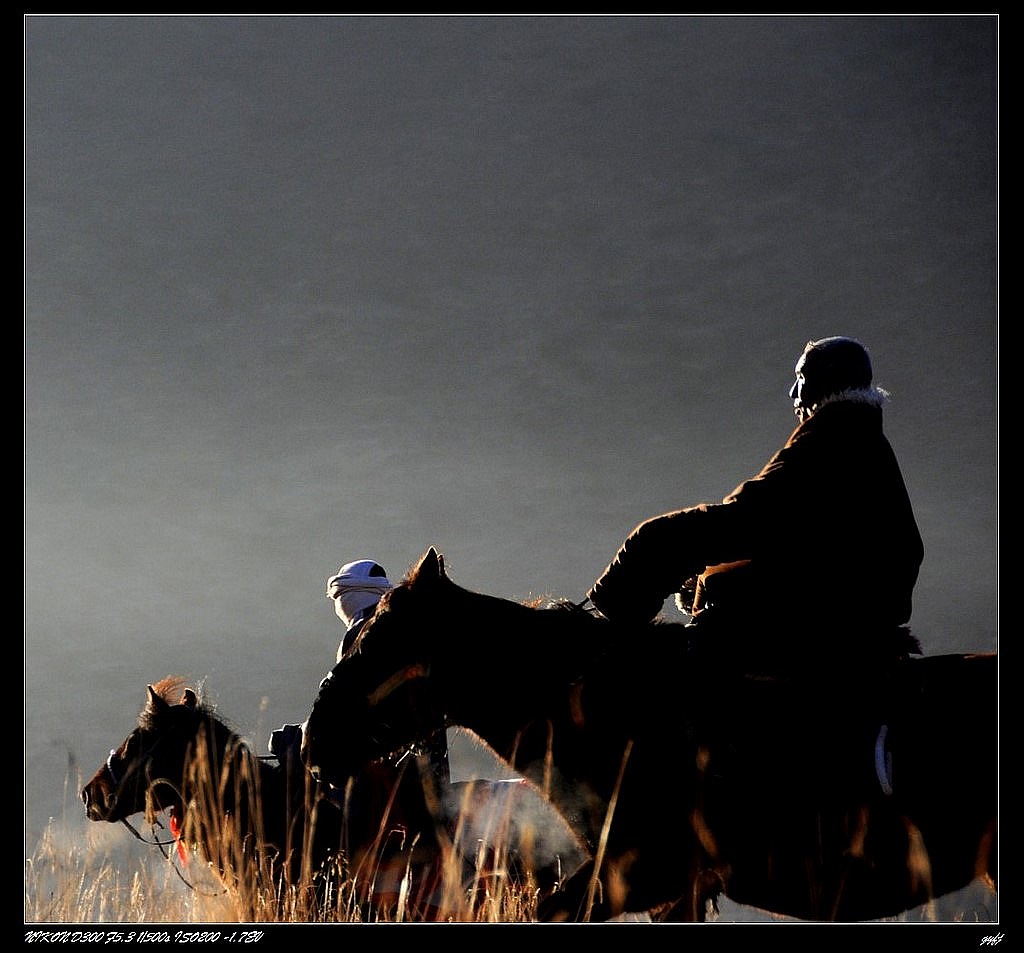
{"type": "Point", "coordinates": [301, 290]}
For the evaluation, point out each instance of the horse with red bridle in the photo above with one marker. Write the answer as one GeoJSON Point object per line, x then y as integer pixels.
{"type": "Point", "coordinates": [381, 846]}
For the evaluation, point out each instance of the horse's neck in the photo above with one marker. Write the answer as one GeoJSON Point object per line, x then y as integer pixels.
{"type": "Point", "coordinates": [228, 778]}
{"type": "Point", "coordinates": [239, 808]}
{"type": "Point", "coordinates": [516, 646]}
{"type": "Point", "coordinates": [537, 654]}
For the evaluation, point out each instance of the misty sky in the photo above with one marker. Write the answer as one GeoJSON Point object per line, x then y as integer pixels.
{"type": "Point", "coordinates": [300, 290]}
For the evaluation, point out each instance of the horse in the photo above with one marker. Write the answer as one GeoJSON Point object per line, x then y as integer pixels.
{"type": "Point", "coordinates": [260, 825]}
{"type": "Point", "coordinates": [830, 796]}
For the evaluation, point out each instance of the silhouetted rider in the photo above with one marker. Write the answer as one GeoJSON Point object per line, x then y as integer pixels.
{"type": "Point", "coordinates": [355, 589]}
{"type": "Point", "coordinates": [820, 548]}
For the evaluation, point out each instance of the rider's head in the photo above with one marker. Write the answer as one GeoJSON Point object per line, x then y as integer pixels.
{"type": "Point", "coordinates": [356, 587]}
{"type": "Point", "coordinates": [828, 367]}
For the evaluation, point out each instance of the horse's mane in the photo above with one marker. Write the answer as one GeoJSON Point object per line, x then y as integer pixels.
{"type": "Point", "coordinates": [564, 604]}
{"type": "Point", "coordinates": [172, 689]}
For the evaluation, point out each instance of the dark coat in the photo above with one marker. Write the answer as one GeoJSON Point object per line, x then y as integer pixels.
{"type": "Point", "coordinates": [824, 533]}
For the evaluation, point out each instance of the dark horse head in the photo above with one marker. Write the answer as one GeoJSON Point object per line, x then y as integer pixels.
{"type": "Point", "coordinates": [380, 701]}
{"type": "Point", "coordinates": [832, 796]}
{"type": "Point", "coordinates": [434, 654]}
{"type": "Point", "coordinates": [380, 841]}
{"type": "Point", "coordinates": [146, 772]}
{"type": "Point", "coordinates": [246, 817]}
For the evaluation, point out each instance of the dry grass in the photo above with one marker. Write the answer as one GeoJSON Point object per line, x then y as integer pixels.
{"type": "Point", "coordinates": [83, 878]}
{"type": "Point", "coordinates": [83, 872]}
{"type": "Point", "coordinates": [100, 875]}
{"type": "Point", "coordinates": [97, 873]}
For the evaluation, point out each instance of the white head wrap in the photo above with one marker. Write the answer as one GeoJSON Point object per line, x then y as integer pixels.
{"type": "Point", "coordinates": [356, 587]}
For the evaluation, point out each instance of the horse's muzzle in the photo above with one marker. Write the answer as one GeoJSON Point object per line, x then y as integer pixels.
{"type": "Point", "coordinates": [99, 799]}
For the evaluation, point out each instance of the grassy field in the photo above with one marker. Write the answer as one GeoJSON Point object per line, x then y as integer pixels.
{"type": "Point", "coordinates": [83, 873]}
{"type": "Point", "coordinates": [103, 876]}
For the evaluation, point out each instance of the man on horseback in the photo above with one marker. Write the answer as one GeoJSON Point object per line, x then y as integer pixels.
{"type": "Point", "coordinates": [820, 550]}
{"type": "Point", "coordinates": [355, 589]}
{"type": "Point", "coordinates": [400, 811]}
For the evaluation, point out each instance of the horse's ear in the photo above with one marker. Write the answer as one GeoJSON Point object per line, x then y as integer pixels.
{"type": "Point", "coordinates": [155, 702]}
{"type": "Point", "coordinates": [431, 566]}
{"type": "Point", "coordinates": [189, 699]}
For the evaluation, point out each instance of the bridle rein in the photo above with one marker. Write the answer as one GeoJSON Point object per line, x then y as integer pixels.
{"type": "Point", "coordinates": [143, 761]}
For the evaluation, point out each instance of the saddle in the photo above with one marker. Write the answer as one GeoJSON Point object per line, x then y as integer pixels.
{"type": "Point", "coordinates": [735, 620]}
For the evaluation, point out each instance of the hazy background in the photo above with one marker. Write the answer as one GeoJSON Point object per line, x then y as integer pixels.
{"type": "Point", "coordinates": [300, 290]}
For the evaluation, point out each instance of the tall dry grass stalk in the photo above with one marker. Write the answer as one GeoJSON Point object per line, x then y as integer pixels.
{"type": "Point", "coordinates": [80, 879]}
{"type": "Point", "coordinates": [98, 873]}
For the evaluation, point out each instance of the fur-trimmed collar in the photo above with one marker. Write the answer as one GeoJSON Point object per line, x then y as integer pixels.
{"type": "Point", "coordinates": [874, 396]}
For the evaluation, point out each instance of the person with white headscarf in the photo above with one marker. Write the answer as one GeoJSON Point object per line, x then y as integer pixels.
{"type": "Point", "coordinates": [355, 589]}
